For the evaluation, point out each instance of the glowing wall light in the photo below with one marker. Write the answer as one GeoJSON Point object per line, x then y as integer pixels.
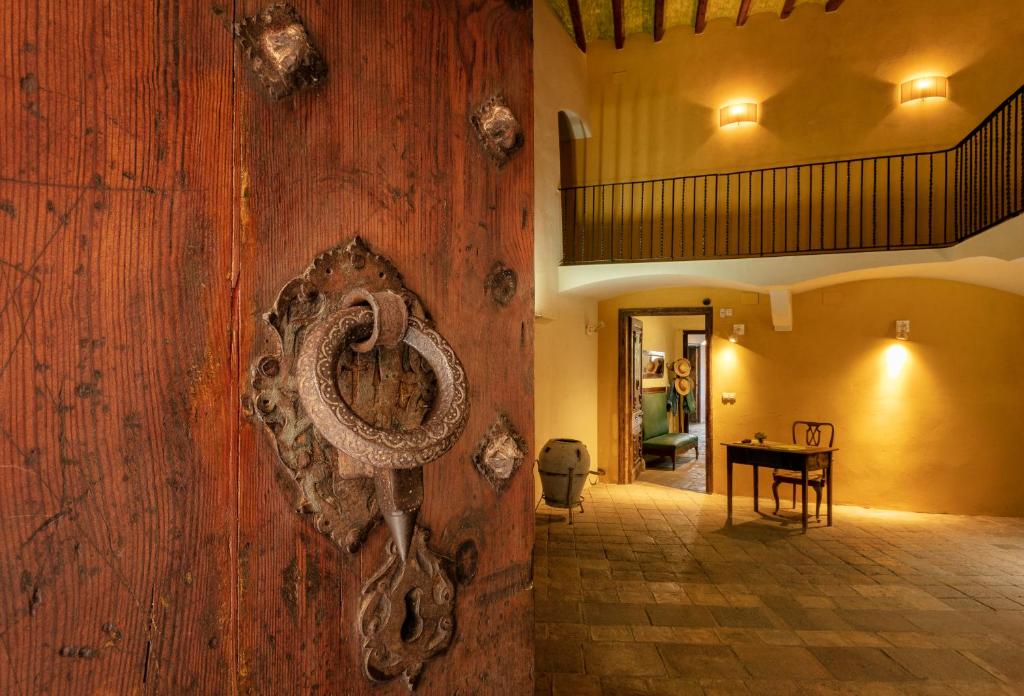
{"type": "Point", "coordinates": [736, 114]}
{"type": "Point", "coordinates": [930, 87]}
{"type": "Point", "coordinates": [903, 329]}
{"type": "Point", "coordinates": [896, 357]}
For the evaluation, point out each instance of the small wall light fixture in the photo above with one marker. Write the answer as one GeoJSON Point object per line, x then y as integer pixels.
{"type": "Point", "coordinates": [737, 331]}
{"type": "Point", "coordinates": [929, 87]}
{"type": "Point", "coordinates": [592, 329]}
{"type": "Point", "coordinates": [736, 114]}
{"type": "Point", "coordinates": [903, 329]}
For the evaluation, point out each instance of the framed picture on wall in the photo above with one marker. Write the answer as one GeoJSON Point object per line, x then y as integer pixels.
{"type": "Point", "coordinates": [654, 364]}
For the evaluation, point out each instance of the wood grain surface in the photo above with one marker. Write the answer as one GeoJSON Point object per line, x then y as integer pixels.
{"type": "Point", "coordinates": [152, 203]}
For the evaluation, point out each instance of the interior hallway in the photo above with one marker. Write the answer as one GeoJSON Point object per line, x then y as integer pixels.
{"type": "Point", "coordinates": [648, 594]}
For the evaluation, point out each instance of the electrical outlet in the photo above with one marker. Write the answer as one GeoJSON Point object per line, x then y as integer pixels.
{"type": "Point", "coordinates": [728, 397]}
{"type": "Point", "coordinates": [725, 312]}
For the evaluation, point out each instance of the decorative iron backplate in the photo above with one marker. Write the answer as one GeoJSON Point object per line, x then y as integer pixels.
{"type": "Point", "coordinates": [359, 392]}
{"type": "Point", "coordinates": [407, 614]}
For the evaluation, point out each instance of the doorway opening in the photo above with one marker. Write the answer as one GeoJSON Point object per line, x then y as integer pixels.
{"type": "Point", "coordinates": [664, 388]}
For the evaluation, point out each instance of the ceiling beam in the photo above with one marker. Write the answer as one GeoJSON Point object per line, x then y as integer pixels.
{"type": "Point", "coordinates": [741, 16]}
{"type": "Point", "coordinates": [620, 35]}
{"type": "Point", "coordinates": [702, 17]}
{"type": "Point", "coordinates": [787, 9]}
{"type": "Point", "coordinates": [659, 19]}
{"type": "Point", "coordinates": [577, 24]}
{"type": "Point", "coordinates": [833, 5]}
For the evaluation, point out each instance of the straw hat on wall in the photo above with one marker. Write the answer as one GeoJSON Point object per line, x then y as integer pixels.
{"type": "Point", "coordinates": [681, 367]}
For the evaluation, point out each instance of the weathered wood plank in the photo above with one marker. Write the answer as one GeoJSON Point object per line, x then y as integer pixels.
{"type": "Point", "coordinates": [617, 21]}
{"type": "Point", "coordinates": [701, 19]}
{"type": "Point", "coordinates": [116, 408]}
{"type": "Point", "coordinates": [577, 25]}
{"type": "Point", "coordinates": [743, 13]}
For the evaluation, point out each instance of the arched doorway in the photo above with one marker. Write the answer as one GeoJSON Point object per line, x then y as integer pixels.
{"type": "Point", "coordinates": [572, 132]}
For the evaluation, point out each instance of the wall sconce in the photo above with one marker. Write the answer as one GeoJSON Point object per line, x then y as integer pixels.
{"type": "Point", "coordinates": [932, 86]}
{"type": "Point", "coordinates": [735, 114]}
{"type": "Point", "coordinates": [902, 329]}
{"type": "Point", "coordinates": [592, 329]}
{"type": "Point", "coordinates": [737, 331]}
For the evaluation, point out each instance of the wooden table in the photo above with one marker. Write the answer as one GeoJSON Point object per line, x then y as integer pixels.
{"type": "Point", "coordinates": [781, 456]}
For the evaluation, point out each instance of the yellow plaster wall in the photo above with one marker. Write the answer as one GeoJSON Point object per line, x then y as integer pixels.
{"type": "Point", "coordinates": [826, 84]}
{"type": "Point", "coordinates": [933, 424]}
{"type": "Point", "coordinates": [565, 357]}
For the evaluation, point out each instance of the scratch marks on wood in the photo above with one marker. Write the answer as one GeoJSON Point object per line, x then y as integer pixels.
{"type": "Point", "coordinates": [92, 186]}
{"type": "Point", "coordinates": [52, 519]}
{"type": "Point", "coordinates": [145, 662]}
{"type": "Point", "coordinates": [34, 601]}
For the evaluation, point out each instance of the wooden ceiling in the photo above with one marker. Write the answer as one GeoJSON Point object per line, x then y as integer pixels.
{"type": "Point", "coordinates": [594, 20]}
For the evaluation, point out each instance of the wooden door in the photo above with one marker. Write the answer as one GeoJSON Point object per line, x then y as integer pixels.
{"type": "Point", "coordinates": [634, 380]}
{"type": "Point", "coordinates": [693, 354]}
{"type": "Point", "coordinates": [153, 203]}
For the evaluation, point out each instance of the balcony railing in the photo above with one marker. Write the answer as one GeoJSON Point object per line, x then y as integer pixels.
{"type": "Point", "coordinates": [910, 201]}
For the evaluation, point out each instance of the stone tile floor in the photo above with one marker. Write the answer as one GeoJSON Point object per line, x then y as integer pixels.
{"type": "Point", "coordinates": [648, 593]}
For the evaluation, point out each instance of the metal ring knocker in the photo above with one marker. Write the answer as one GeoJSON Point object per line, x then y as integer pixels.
{"type": "Point", "coordinates": [368, 473]}
{"type": "Point", "coordinates": [391, 326]}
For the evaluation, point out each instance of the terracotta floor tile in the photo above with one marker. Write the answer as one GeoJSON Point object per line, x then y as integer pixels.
{"type": "Point", "coordinates": [779, 662]}
{"type": "Point", "coordinates": [614, 614]}
{"type": "Point", "coordinates": [575, 685]}
{"type": "Point", "coordinates": [618, 633]}
{"type": "Point", "coordinates": [673, 686]}
{"type": "Point", "coordinates": [624, 686]}
{"type": "Point", "coordinates": [876, 620]}
{"type": "Point", "coordinates": [742, 617]}
{"type": "Point", "coordinates": [557, 611]}
{"type": "Point", "coordinates": [860, 664]}
{"type": "Point", "coordinates": [702, 661]}
{"type": "Point", "coordinates": [553, 656]}
{"type": "Point", "coordinates": [680, 615]}
{"type": "Point", "coordinates": [938, 663]}
{"type": "Point", "coordinates": [622, 659]}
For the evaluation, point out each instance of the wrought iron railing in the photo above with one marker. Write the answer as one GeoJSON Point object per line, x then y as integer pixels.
{"type": "Point", "coordinates": [910, 201]}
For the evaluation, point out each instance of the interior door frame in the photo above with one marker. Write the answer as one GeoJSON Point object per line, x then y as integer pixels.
{"type": "Point", "coordinates": [625, 470]}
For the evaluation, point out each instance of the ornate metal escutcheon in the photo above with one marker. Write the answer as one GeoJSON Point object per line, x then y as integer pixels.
{"type": "Point", "coordinates": [359, 392]}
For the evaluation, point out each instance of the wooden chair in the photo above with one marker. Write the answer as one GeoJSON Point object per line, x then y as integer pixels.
{"type": "Point", "coordinates": [814, 433]}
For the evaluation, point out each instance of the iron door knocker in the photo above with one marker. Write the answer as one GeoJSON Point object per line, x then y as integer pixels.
{"type": "Point", "coordinates": [359, 393]}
